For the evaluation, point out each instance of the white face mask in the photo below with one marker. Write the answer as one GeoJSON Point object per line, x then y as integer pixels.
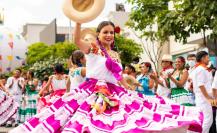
{"type": "Point", "coordinates": [191, 63]}
{"type": "Point", "coordinates": [210, 64]}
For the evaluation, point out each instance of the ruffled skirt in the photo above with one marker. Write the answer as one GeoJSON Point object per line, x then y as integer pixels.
{"type": "Point", "coordinates": [135, 112]}
{"type": "Point", "coordinates": [8, 107]}
{"type": "Point", "coordinates": [48, 100]}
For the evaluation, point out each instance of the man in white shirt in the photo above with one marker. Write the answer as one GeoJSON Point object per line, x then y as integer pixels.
{"type": "Point", "coordinates": [202, 84]}
{"type": "Point", "coordinates": [191, 62]}
{"type": "Point", "coordinates": [15, 86]}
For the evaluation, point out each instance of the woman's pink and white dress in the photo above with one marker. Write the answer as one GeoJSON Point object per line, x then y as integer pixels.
{"type": "Point", "coordinates": [59, 89]}
{"type": "Point", "coordinates": [8, 107]}
{"type": "Point", "coordinates": [125, 111]}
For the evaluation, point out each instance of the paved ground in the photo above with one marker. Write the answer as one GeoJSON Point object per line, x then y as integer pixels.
{"type": "Point", "coordinates": [4, 130]}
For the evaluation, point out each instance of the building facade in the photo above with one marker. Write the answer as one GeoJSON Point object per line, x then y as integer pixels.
{"type": "Point", "coordinates": [47, 33]}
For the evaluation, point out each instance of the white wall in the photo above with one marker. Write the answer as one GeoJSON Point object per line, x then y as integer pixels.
{"type": "Point", "coordinates": [33, 33]}
{"type": "Point", "coordinates": [119, 18]}
{"type": "Point", "coordinates": [179, 48]}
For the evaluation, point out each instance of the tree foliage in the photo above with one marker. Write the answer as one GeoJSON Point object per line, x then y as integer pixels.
{"type": "Point", "coordinates": [46, 67]}
{"type": "Point", "coordinates": [42, 52]}
{"type": "Point", "coordinates": [187, 17]}
{"type": "Point", "coordinates": [127, 48]}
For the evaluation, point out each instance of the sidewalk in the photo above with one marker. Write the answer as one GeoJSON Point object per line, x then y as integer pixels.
{"type": "Point", "coordinates": [5, 130]}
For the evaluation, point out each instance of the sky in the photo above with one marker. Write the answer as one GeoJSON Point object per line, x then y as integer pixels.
{"type": "Point", "coordinates": [19, 12]}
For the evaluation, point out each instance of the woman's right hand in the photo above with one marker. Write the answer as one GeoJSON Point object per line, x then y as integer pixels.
{"type": "Point", "coordinates": [51, 77]}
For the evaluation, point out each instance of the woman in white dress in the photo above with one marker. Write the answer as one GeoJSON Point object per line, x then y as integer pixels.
{"type": "Point", "coordinates": [8, 106]}
{"type": "Point", "coordinates": [57, 83]}
{"type": "Point", "coordinates": [101, 105]}
{"type": "Point", "coordinates": [77, 73]}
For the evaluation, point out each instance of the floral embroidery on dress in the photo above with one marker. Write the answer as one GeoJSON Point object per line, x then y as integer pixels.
{"type": "Point", "coordinates": [104, 99]}
{"type": "Point", "coordinates": [96, 50]}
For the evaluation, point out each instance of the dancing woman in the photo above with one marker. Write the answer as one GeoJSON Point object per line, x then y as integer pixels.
{"type": "Point", "coordinates": [57, 83]}
{"type": "Point", "coordinates": [101, 105]}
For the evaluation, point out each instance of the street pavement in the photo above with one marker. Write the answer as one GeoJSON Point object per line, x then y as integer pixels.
{"type": "Point", "coordinates": [5, 130]}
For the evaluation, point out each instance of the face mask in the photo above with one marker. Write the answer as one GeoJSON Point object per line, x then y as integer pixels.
{"type": "Point", "coordinates": [191, 63]}
{"type": "Point", "coordinates": [209, 64]}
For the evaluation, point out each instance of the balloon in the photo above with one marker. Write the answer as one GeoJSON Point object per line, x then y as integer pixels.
{"type": "Point", "coordinates": [12, 49]}
{"type": "Point", "coordinates": [10, 36]}
{"type": "Point", "coordinates": [11, 44]}
{"type": "Point", "coordinates": [8, 69]}
{"type": "Point", "coordinates": [10, 57]}
{"type": "Point", "coordinates": [18, 57]}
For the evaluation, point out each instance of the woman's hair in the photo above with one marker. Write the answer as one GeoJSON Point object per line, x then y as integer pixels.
{"type": "Point", "coordinates": [46, 78]}
{"type": "Point", "coordinates": [148, 65]}
{"type": "Point", "coordinates": [131, 67]}
{"type": "Point", "coordinates": [191, 55]}
{"type": "Point", "coordinates": [182, 59]}
{"type": "Point", "coordinates": [18, 69]}
{"type": "Point", "coordinates": [58, 68]}
{"type": "Point", "coordinates": [200, 55]}
{"type": "Point", "coordinates": [31, 73]}
{"type": "Point", "coordinates": [100, 27]}
{"type": "Point", "coordinates": [76, 57]}
{"type": "Point", "coordinates": [103, 24]}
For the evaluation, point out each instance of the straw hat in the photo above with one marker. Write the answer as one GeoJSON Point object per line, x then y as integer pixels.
{"type": "Point", "coordinates": [83, 10]}
{"type": "Point", "coordinates": [167, 57]}
{"type": "Point", "coordinates": [88, 34]}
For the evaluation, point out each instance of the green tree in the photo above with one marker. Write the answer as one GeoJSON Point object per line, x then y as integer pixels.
{"type": "Point", "coordinates": [145, 14]}
{"type": "Point", "coordinates": [46, 67]}
{"type": "Point", "coordinates": [187, 17]}
{"type": "Point", "coordinates": [62, 49]}
{"type": "Point", "coordinates": [42, 57]}
{"type": "Point", "coordinates": [37, 51]}
{"type": "Point", "coordinates": [40, 51]}
{"type": "Point", "coordinates": [127, 48]}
